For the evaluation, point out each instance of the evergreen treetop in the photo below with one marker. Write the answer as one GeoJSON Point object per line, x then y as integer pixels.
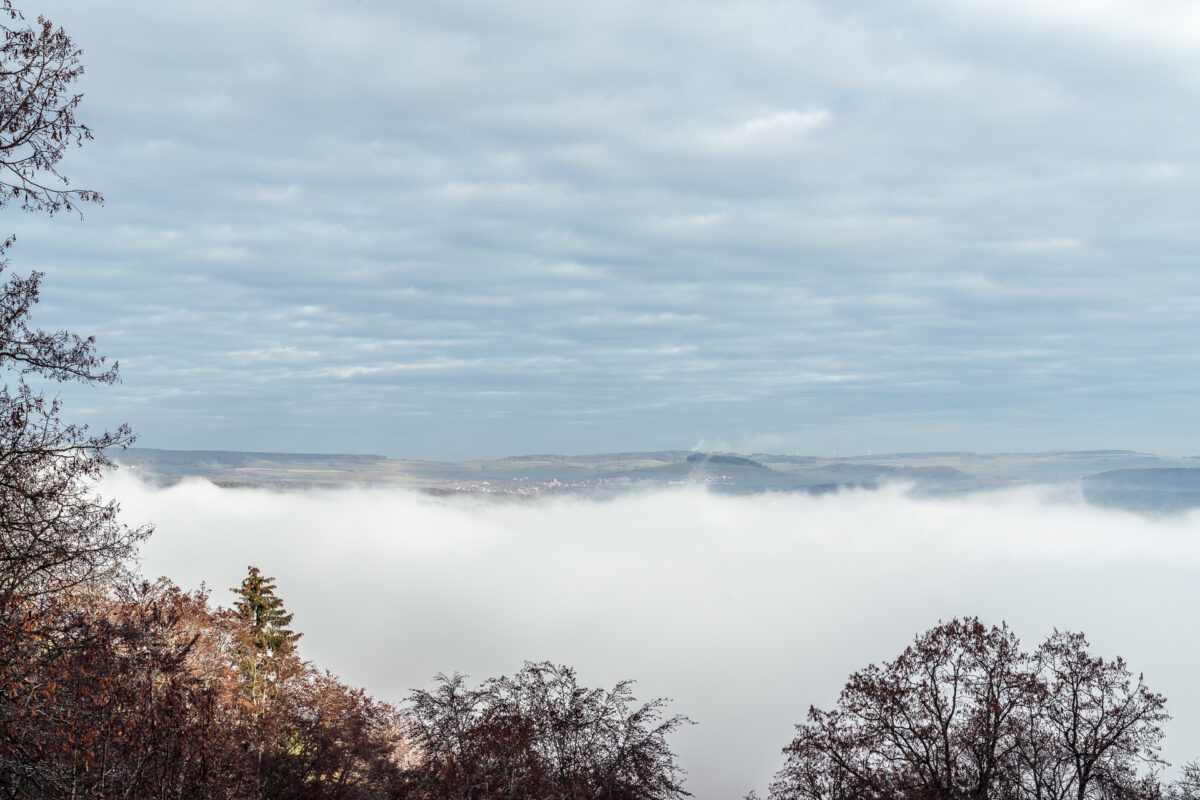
{"type": "Point", "coordinates": [258, 604]}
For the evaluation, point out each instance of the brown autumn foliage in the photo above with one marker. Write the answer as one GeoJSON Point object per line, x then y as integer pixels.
{"type": "Point", "coordinates": [539, 734]}
{"type": "Point", "coordinates": [138, 693]}
{"type": "Point", "coordinates": [965, 713]}
{"type": "Point", "coordinates": [125, 696]}
{"type": "Point", "coordinates": [112, 687]}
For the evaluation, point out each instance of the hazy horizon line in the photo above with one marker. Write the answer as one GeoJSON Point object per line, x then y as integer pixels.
{"type": "Point", "coordinates": [709, 451]}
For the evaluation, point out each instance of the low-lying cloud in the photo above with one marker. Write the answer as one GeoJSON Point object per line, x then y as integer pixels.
{"type": "Point", "coordinates": [745, 610]}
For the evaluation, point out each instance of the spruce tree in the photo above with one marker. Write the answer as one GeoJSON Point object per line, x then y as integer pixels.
{"type": "Point", "coordinates": [258, 605]}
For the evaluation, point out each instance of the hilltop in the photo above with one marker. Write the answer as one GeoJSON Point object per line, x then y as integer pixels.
{"type": "Point", "coordinates": [1121, 478]}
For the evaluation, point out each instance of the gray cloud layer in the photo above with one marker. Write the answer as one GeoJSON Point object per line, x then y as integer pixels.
{"type": "Point", "coordinates": [467, 229]}
{"type": "Point", "coordinates": [744, 610]}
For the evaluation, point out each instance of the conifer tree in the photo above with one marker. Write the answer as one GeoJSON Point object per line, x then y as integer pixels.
{"type": "Point", "coordinates": [258, 605]}
{"type": "Point", "coordinates": [265, 658]}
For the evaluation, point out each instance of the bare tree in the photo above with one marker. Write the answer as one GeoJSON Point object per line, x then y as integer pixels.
{"type": "Point", "coordinates": [1098, 724]}
{"type": "Point", "coordinates": [964, 713]}
{"type": "Point", "coordinates": [55, 533]}
{"type": "Point", "coordinates": [57, 537]}
{"type": "Point", "coordinates": [1187, 785]}
{"type": "Point", "coordinates": [39, 66]}
{"type": "Point", "coordinates": [939, 721]}
{"type": "Point", "coordinates": [540, 734]}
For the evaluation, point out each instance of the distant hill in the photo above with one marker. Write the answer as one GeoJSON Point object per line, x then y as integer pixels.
{"type": "Point", "coordinates": [1161, 489]}
{"type": "Point", "coordinates": [1118, 478]}
{"type": "Point", "coordinates": [718, 458]}
{"type": "Point", "coordinates": [187, 459]}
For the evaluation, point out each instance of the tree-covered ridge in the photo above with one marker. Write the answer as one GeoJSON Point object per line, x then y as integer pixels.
{"type": "Point", "coordinates": [1134, 481]}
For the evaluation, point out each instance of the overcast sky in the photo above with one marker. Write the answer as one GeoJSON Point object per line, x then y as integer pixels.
{"type": "Point", "coordinates": [462, 229]}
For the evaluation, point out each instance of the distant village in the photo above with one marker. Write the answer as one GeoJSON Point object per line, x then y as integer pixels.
{"type": "Point", "coordinates": [525, 486]}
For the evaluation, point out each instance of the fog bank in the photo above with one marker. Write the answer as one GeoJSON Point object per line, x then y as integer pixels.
{"type": "Point", "coordinates": [744, 610]}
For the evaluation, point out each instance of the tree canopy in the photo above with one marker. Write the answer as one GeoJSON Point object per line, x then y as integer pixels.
{"type": "Point", "coordinates": [39, 67]}
{"type": "Point", "coordinates": [964, 713]}
{"type": "Point", "coordinates": [538, 734]}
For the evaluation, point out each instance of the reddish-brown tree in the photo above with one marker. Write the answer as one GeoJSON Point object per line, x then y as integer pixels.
{"type": "Point", "coordinates": [331, 742]}
{"type": "Point", "coordinates": [965, 713]}
{"type": "Point", "coordinates": [108, 690]}
{"type": "Point", "coordinates": [1097, 725]}
{"type": "Point", "coordinates": [125, 699]}
{"type": "Point", "coordinates": [939, 721]}
{"type": "Point", "coordinates": [137, 693]}
{"type": "Point", "coordinates": [539, 734]}
{"type": "Point", "coordinates": [57, 538]}
{"type": "Point", "coordinates": [306, 734]}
